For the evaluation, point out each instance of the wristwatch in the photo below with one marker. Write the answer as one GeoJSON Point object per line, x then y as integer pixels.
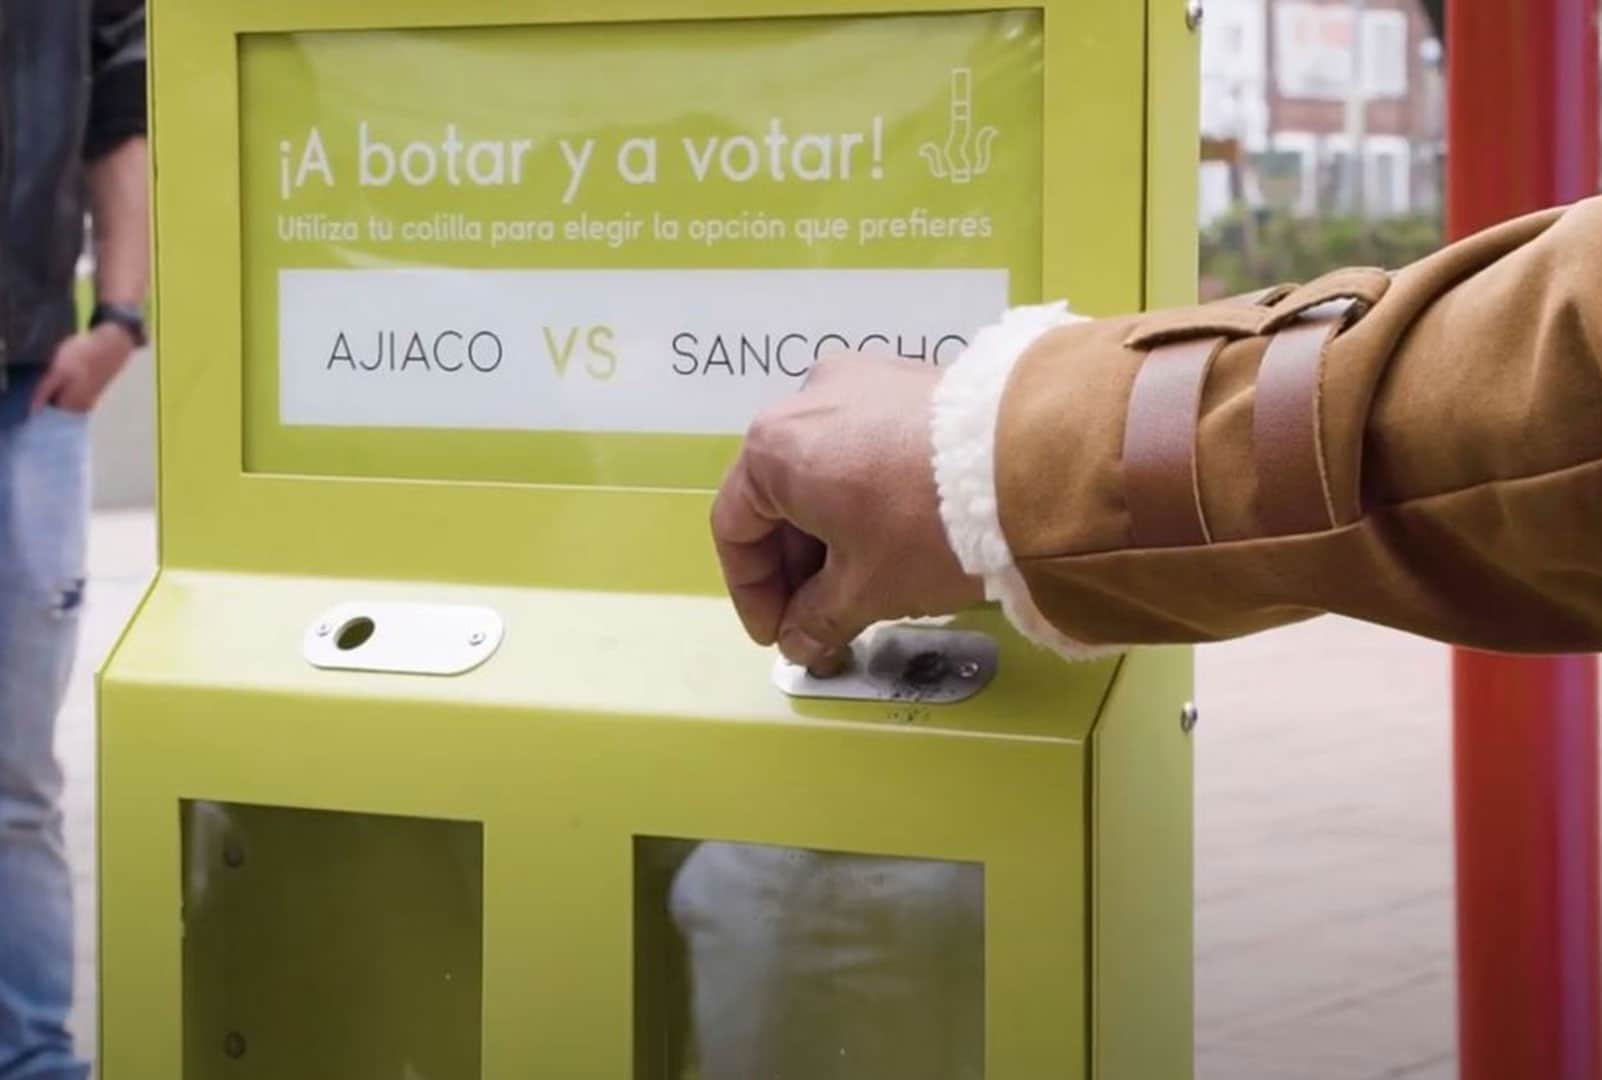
{"type": "Point", "coordinates": [129, 318]}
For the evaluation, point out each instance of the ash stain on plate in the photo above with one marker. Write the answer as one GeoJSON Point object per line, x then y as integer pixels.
{"type": "Point", "coordinates": [919, 677]}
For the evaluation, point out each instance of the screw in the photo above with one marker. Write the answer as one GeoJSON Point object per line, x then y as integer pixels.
{"type": "Point", "coordinates": [1193, 14]}
{"type": "Point", "coordinates": [234, 1045]}
{"type": "Point", "coordinates": [476, 637]}
{"type": "Point", "coordinates": [233, 856]}
{"type": "Point", "coordinates": [968, 669]}
{"type": "Point", "coordinates": [1188, 717]}
{"type": "Point", "coordinates": [323, 629]}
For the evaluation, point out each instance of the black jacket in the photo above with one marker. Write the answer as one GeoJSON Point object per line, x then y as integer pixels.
{"type": "Point", "coordinates": [72, 87]}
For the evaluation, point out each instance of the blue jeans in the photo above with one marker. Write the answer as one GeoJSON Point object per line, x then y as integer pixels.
{"type": "Point", "coordinates": [44, 495]}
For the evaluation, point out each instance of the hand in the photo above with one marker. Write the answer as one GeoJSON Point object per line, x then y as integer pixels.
{"type": "Point", "coordinates": [829, 520]}
{"type": "Point", "coordinates": [82, 368]}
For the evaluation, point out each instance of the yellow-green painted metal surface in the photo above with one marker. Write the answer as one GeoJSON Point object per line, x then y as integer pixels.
{"type": "Point", "coordinates": [612, 848]}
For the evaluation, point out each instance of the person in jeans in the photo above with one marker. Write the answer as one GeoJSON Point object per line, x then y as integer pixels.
{"type": "Point", "coordinates": [72, 126]}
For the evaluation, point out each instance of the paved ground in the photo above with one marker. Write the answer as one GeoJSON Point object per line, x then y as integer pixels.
{"type": "Point", "coordinates": [1324, 868]}
{"type": "Point", "coordinates": [1323, 885]}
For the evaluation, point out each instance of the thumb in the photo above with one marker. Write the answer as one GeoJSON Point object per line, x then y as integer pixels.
{"type": "Point", "coordinates": [820, 622]}
{"type": "Point", "coordinates": [51, 383]}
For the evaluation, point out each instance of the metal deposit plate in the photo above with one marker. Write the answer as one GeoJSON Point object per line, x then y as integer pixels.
{"type": "Point", "coordinates": [901, 662]}
{"type": "Point", "coordinates": [409, 639]}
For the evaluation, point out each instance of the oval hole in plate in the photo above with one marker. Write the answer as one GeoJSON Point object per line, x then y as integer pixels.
{"type": "Point", "coordinates": [354, 634]}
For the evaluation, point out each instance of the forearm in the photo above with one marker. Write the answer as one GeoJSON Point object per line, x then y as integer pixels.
{"type": "Point", "coordinates": [119, 205]}
{"type": "Point", "coordinates": [1438, 467]}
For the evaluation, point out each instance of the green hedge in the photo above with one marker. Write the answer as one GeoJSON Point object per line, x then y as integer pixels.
{"type": "Point", "coordinates": [1248, 251]}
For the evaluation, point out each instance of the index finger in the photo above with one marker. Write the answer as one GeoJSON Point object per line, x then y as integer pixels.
{"type": "Point", "coordinates": [749, 538]}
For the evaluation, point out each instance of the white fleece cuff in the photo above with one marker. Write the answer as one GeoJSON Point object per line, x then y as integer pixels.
{"type": "Point", "coordinates": [967, 407]}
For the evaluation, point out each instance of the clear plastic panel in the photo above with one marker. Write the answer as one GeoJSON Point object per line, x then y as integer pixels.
{"type": "Point", "coordinates": [330, 946]}
{"type": "Point", "coordinates": [789, 964]}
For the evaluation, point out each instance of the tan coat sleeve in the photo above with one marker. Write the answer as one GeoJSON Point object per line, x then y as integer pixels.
{"type": "Point", "coordinates": [1430, 459]}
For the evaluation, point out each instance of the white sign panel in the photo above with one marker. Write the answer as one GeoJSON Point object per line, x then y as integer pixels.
{"type": "Point", "coordinates": [648, 351]}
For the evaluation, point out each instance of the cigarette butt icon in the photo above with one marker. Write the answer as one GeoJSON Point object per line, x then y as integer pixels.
{"type": "Point", "coordinates": [966, 153]}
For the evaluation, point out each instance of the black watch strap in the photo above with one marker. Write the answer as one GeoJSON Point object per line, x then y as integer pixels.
{"type": "Point", "coordinates": [129, 318]}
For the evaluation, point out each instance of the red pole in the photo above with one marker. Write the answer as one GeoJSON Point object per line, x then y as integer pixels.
{"type": "Point", "coordinates": [1523, 135]}
{"type": "Point", "coordinates": [1527, 867]}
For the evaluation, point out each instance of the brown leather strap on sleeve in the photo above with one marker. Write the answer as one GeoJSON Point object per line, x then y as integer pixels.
{"type": "Point", "coordinates": [1365, 285]}
{"type": "Point", "coordinates": [1160, 482]}
{"type": "Point", "coordinates": [1268, 297]}
{"type": "Point", "coordinates": [1292, 490]}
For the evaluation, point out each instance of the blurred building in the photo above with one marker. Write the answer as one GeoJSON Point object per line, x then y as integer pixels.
{"type": "Point", "coordinates": [1321, 107]}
